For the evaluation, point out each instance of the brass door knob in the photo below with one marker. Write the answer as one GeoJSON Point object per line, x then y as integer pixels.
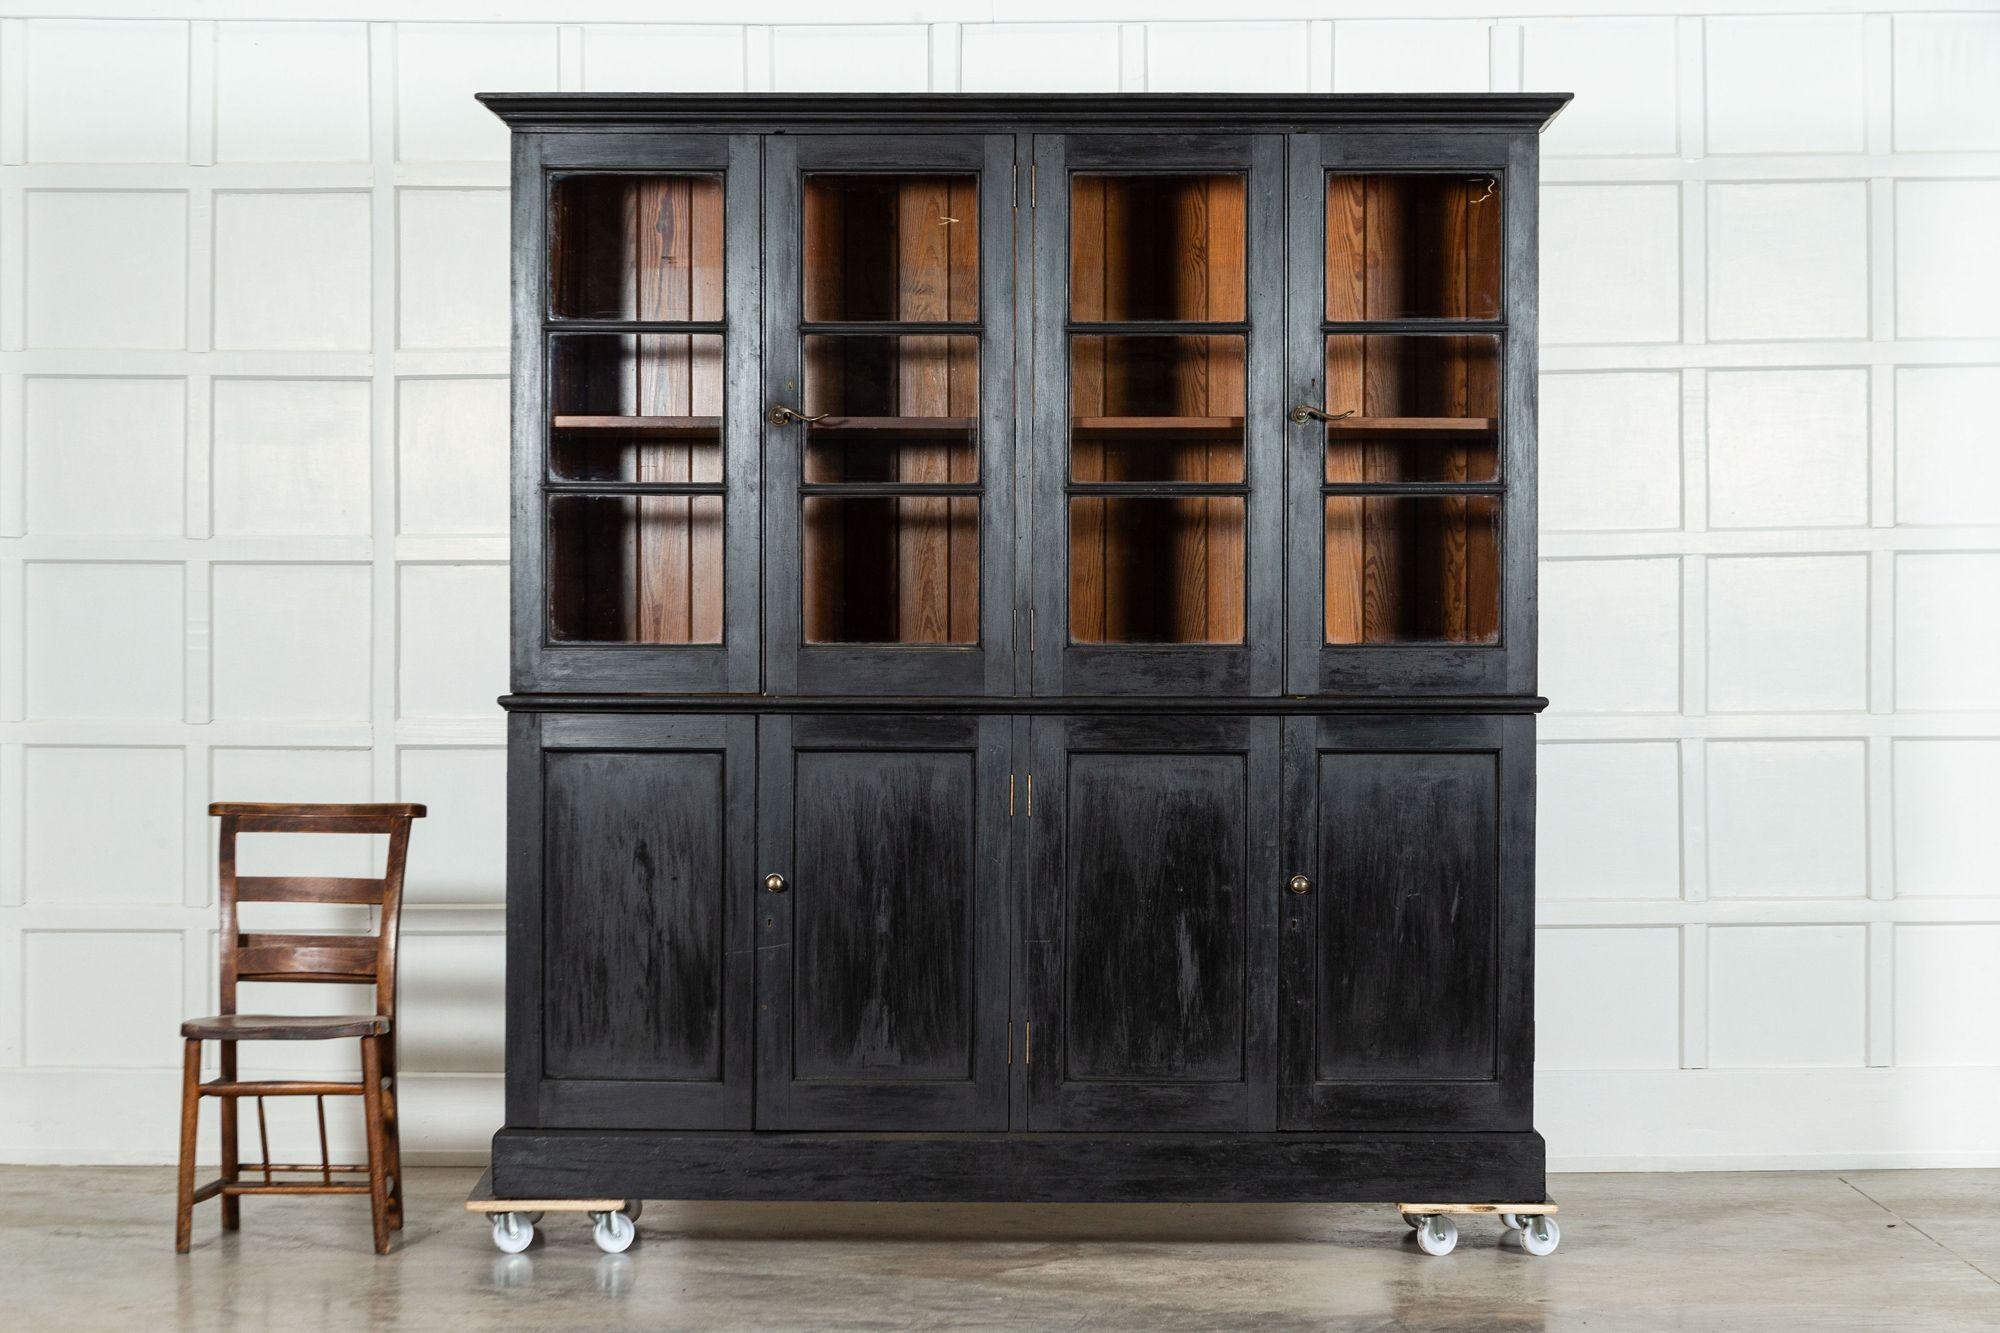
{"type": "Point", "coordinates": [1298, 884]}
{"type": "Point", "coordinates": [774, 882]}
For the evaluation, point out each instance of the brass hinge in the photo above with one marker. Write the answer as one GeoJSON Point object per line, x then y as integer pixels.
{"type": "Point", "coordinates": [1010, 1041]}
{"type": "Point", "coordinates": [1017, 184]}
{"type": "Point", "coordinates": [1028, 1045]}
{"type": "Point", "coordinates": [1031, 185]}
{"type": "Point", "coordinates": [1031, 795]}
{"type": "Point", "coordinates": [1010, 796]}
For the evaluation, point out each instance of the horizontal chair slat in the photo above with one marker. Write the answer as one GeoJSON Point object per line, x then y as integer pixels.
{"type": "Point", "coordinates": [292, 1187]}
{"type": "Point", "coordinates": [300, 889]}
{"type": "Point", "coordinates": [283, 1087]}
{"type": "Point", "coordinates": [269, 956]}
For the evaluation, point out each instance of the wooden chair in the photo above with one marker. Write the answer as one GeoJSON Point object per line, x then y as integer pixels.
{"type": "Point", "coordinates": [354, 958]}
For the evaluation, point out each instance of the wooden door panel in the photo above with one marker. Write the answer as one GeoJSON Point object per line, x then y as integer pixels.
{"type": "Point", "coordinates": [633, 936]}
{"type": "Point", "coordinates": [1156, 862]}
{"type": "Point", "coordinates": [882, 923]}
{"type": "Point", "coordinates": [1152, 911]}
{"type": "Point", "coordinates": [883, 965]}
{"type": "Point", "coordinates": [628, 973]}
{"type": "Point", "coordinates": [1406, 916]}
{"type": "Point", "coordinates": [1406, 982]}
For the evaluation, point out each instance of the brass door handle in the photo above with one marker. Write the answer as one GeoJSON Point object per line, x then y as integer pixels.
{"type": "Point", "coordinates": [1304, 412]}
{"type": "Point", "coordinates": [780, 415]}
{"type": "Point", "coordinates": [774, 882]}
{"type": "Point", "coordinates": [1299, 884]}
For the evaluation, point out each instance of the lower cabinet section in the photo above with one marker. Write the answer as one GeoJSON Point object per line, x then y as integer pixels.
{"type": "Point", "coordinates": [1098, 945]}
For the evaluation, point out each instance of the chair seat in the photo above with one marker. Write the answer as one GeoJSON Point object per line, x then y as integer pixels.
{"type": "Point", "coordinates": [285, 1027]}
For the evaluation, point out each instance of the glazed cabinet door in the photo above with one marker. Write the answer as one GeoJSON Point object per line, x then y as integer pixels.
{"type": "Point", "coordinates": [1158, 317]}
{"type": "Point", "coordinates": [889, 414]}
{"type": "Point", "coordinates": [1412, 532]}
{"type": "Point", "coordinates": [629, 921]}
{"type": "Point", "coordinates": [882, 935]}
{"type": "Point", "coordinates": [1153, 902]}
{"type": "Point", "coordinates": [1406, 991]}
{"type": "Point", "coordinates": [635, 412]}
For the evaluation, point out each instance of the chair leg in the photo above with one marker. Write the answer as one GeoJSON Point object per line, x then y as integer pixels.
{"type": "Point", "coordinates": [378, 1166]}
{"type": "Point", "coordinates": [392, 1098]}
{"type": "Point", "coordinates": [232, 1205]}
{"type": "Point", "coordinates": [190, 1121]}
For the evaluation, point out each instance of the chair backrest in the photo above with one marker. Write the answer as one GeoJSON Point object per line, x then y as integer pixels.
{"type": "Point", "coordinates": [354, 959]}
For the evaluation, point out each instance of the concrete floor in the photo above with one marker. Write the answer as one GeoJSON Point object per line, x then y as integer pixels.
{"type": "Point", "coordinates": [92, 1248]}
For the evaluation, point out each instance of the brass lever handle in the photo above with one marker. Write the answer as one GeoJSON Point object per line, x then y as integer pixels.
{"type": "Point", "coordinates": [780, 415]}
{"type": "Point", "coordinates": [1304, 412]}
{"type": "Point", "coordinates": [774, 882]}
{"type": "Point", "coordinates": [1299, 884]}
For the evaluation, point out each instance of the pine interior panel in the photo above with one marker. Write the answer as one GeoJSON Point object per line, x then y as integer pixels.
{"type": "Point", "coordinates": [1424, 408]}
{"type": "Point", "coordinates": [903, 408]}
{"type": "Point", "coordinates": [641, 407]}
{"type": "Point", "coordinates": [1157, 570]}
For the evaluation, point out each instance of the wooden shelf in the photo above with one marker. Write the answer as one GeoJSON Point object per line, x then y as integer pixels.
{"type": "Point", "coordinates": [1416, 428]}
{"type": "Point", "coordinates": [894, 427]}
{"type": "Point", "coordinates": [653, 428]}
{"type": "Point", "coordinates": [1163, 430]}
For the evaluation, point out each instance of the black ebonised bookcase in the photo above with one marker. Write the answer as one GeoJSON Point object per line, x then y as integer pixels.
{"type": "Point", "coordinates": [1023, 647]}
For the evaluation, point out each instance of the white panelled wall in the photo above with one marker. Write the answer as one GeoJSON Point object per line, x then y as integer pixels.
{"type": "Point", "coordinates": [253, 440]}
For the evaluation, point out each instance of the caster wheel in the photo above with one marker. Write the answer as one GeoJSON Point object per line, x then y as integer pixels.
{"type": "Point", "coordinates": [1412, 1221]}
{"type": "Point", "coordinates": [1438, 1235]}
{"type": "Point", "coordinates": [512, 1232]}
{"type": "Point", "coordinates": [1541, 1235]}
{"type": "Point", "coordinates": [1512, 1221]}
{"type": "Point", "coordinates": [638, 1207]}
{"type": "Point", "coordinates": [536, 1218]}
{"type": "Point", "coordinates": [613, 1232]}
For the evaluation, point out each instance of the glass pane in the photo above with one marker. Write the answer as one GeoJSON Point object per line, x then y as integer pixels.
{"type": "Point", "coordinates": [635, 569]}
{"type": "Point", "coordinates": [1401, 247]}
{"type": "Point", "coordinates": [891, 247]}
{"type": "Point", "coordinates": [1156, 409]}
{"type": "Point", "coordinates": [1412, 569]}
{"type": "Point", "coordinates": [898, 409]}
{"type": "Point", "coordinates": [635, 407]}
{"type": "Point", "coordinates": [636, 247]}
{"type": "Point", "coordinates": [1147, 569]}
{"type": "Point", "coordinates": [891, 569]}
{"type": "Point", "coordinates": [1424, 408]}
{"type": "Point", "coordinates": [1156, 247]}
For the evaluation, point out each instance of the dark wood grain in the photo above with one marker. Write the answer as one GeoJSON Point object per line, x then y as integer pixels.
{"type": "Point", "coordinates": [1155, 905]}
{"type": "Point", "coordinates": [1151, 921]}
{"type": "Point", "coordinates": [1406, 916]}
{"type": "Point", "coordinates": [883, 914]}
{"type": "Point", "coordinates": [633, 938]}
{"type": "Point", "coordinates": [883, 962]}
{"type": "Point", "coordinates": [1023, 1168]}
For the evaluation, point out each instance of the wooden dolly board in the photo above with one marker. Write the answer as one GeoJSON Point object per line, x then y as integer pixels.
{"type": "Point", "coordinates": [614, 1222]}
{"type": "Point", "coordinates": [1437, 1234]}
